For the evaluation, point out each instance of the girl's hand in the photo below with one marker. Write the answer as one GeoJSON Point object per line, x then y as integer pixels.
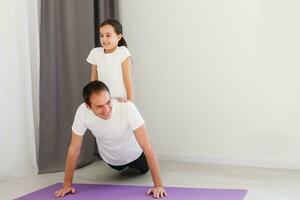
{"type": "Point", "coordinates": [122, 99]}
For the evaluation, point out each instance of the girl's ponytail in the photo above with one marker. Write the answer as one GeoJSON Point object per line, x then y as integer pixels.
{"type": "Point", "coordinates": [122, 42]}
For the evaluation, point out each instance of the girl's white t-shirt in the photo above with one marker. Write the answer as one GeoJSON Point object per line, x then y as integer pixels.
{"type": "Point", "coordinates": [115, 139]}
{"type": "Point", "coordinates": [109, 67]}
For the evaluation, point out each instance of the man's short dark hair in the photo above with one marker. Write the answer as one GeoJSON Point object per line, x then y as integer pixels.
{"type": "Point", "coordinates": [93, 87]}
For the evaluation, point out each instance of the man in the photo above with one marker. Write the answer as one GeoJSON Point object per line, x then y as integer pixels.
{"type": "Point", "coordinates": [120, 134]}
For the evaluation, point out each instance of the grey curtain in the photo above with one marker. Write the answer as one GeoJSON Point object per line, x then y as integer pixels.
{"type": "Point", "coordinates": [68, 29]}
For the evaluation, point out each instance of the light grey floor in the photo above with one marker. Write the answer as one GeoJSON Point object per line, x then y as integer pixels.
{"type": "Point", "coordinates": [261, 183]}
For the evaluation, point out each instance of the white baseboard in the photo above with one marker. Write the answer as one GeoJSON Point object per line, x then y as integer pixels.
{"type": "Point", "coordinates": [230, 161]}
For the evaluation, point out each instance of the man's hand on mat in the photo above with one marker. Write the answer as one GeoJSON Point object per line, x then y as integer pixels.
{"type": "Point", "coordinates": [157, 192]}
{"type": "Point", "coordinates": [65, 190]}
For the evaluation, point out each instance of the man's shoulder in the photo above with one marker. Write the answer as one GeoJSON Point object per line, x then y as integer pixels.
{"type": "Point", "coordinates": [82, 106]}
{"type": "Point", "coordinates": [122, 105]}
{"type": "Point", "coordinates": [82, 109]}
{"type": "Point", "coordinates": [126, 108]}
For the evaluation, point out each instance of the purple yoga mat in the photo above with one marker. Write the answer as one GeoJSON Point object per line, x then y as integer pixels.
{"type": "Point", "coordinates": [124, 192]}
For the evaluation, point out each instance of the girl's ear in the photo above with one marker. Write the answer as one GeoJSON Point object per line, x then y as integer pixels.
{"type": "Point", "coordinates": [120, 36]}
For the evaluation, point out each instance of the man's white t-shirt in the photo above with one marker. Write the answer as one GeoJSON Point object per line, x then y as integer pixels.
{"type": "Point", "coordinates": [116, 142]}
{"type": "Point", "coordinates": [109, 67]}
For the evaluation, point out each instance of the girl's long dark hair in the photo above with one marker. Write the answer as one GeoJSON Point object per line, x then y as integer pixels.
{"type": "Point", "coordinates": [118, 29]}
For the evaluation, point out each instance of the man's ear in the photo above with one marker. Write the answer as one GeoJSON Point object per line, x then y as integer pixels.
{"type": "Point", "coordinates": [88, 107]}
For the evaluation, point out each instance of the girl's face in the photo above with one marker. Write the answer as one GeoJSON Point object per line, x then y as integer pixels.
{"type": "Point", "coordinates": [109, 38]}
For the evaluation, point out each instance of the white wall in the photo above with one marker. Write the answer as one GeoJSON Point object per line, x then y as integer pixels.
{"type": "Point", "coordinates": [218, 81]}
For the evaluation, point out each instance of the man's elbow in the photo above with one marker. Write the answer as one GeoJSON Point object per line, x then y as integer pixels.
{"type": "Point", "coordinates": [148, 149]}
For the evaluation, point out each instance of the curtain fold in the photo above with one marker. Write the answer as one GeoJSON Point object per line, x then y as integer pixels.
{"type": "Point", "coordinates": [19, 62]}
{"type": "Point", "coordinates": [67, 36]}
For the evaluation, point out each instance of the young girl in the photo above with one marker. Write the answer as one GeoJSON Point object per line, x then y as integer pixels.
{"type": "Point", "coordinates": [111, 63]}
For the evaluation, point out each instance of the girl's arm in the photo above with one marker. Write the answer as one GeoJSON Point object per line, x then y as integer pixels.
{"type": "Point", "coordinates": [94, 75]}
{"type": "Point", "coordinates": [126, 68]}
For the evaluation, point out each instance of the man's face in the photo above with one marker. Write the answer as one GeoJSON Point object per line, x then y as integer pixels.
{"type": "Point", "coordinates": [101, 104]}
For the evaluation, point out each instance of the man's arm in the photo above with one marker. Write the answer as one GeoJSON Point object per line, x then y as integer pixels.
{"type": "Point", "coordinates": [73, 153]}
{"type": "Point", "coordinates": [143, 140]}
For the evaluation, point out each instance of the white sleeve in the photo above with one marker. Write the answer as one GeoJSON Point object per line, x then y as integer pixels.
{"type": "Point", "coordinates": [134, 117]}
{"type": "Point", "coordinates": [124, 53]}
{"type": "Point", "coordinates": [91, 57]}
{"type": "Point", "coordinates": [79, 126]}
